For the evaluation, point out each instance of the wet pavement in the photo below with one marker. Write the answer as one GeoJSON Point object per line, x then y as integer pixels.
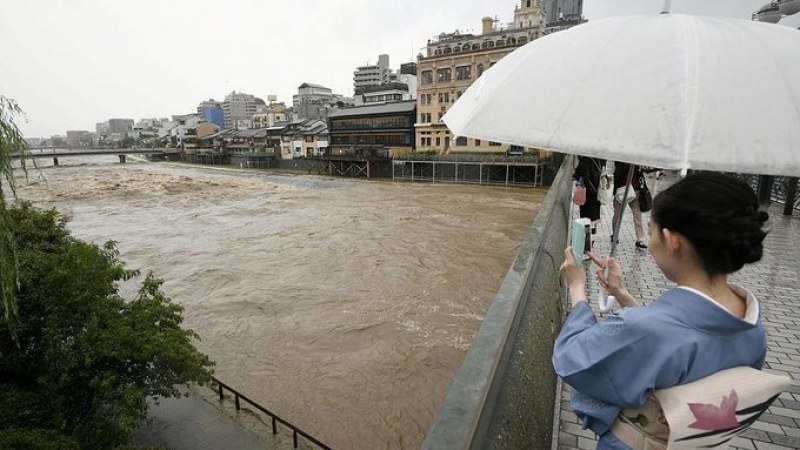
{"type": "Point", "coordinates": [773, 280]}
{"type": "Point", "coordinates": [201, 422]}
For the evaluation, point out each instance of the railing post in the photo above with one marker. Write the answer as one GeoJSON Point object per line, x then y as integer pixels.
{"type": "Point", "coordinates": [236, 397]}
{"type": "Point", "coordinates": [791, 196]}
{"type": "Point", "coordinates": [274, 425]}
{"type": "Point", "coordinates": [765, 183]}
{"type": "Point", "coordinates": [294, 438]}
{"type": "Point", "coordinates": [221, 396]}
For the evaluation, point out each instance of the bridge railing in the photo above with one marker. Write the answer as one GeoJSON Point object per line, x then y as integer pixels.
{"type": "Point", "coordinates": [505, 392]}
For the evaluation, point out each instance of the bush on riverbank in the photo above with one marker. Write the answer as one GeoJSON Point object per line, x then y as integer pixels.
{"type": "Point", "coordinates": [78, 362]}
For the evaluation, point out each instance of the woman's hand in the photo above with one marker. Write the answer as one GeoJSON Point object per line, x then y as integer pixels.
{"type": "Point", "coordinates": [576, 277]}
{"type": "Point", "coordinates": [613, 283]}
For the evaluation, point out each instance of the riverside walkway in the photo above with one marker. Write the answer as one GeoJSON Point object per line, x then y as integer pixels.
{"type": "Point", "coordinates": [201, 422]}
{"type": "Point", "coordinates": [774, 281]}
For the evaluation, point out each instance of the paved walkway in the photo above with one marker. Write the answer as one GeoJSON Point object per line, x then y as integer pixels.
{"type": "Point", "coordinates": [200, 422]}
{"type": "Point", "coordinates": [774, 281]}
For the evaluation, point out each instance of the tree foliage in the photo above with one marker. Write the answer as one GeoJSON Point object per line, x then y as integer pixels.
{"type": "Point", "coordinates": [11, 142]}
{"type": "Point", "coordinates": [84, 360]}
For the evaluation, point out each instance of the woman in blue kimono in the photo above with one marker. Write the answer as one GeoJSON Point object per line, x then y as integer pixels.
{"type": "Point", "coordinates": [703, 228]}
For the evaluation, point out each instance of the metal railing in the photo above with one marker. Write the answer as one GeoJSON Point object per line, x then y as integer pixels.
{"type": "Point", "coordinates": [238, 396]}
{"type": "Point", "coordinates": [469, 158]}
{"type": "Point", "coordinates": [780, 190]}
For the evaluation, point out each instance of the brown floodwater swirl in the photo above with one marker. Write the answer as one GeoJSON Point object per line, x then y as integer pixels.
{"type": "Point", "coordinates": [344, 306]}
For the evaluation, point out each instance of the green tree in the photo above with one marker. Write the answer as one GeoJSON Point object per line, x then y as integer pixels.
{"type": "Point", "coordinates": [11, 142]}
{"type": "Point", "coordinates": [85, 360]}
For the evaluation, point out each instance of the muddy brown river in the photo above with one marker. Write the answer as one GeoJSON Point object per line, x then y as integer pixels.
{"type": "Point", "coordinates": [344, 306]}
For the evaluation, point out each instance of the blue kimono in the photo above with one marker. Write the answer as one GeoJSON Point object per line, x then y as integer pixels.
{"type": "Point", "coordinates": [679, 338]}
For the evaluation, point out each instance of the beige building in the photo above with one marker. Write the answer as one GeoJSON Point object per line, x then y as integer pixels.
{"type": "Point", "coordinates": [452, 62]}
{"type": "Point", "coordinates": [268, 119]}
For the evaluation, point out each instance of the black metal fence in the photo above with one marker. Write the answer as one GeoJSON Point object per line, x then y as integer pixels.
{"type": "Point", "coordinates": [238, 397]}
{"type": "Point", "coordinates": [778, 189]}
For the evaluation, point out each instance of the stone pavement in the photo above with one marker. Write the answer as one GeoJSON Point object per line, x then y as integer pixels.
{"type": "Point", "coordinates": [773, 280]}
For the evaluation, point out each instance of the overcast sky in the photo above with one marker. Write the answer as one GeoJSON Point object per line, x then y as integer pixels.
{"type": "Point", "coordinates": [73, 63]}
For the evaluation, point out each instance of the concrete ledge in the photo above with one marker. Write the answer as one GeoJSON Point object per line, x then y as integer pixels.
{"type": "Point", "coordinates": [504, 393]}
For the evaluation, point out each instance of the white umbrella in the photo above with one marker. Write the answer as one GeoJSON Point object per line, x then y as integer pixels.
{"type": "Point", "coordinates": [670, 90]}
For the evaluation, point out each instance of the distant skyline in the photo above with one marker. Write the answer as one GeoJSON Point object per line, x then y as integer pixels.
{"type": "Point", "coordinates": [72, 63]}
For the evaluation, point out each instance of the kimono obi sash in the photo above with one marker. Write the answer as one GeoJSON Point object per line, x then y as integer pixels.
{"type": "Point", "coordinates": [706, 413]}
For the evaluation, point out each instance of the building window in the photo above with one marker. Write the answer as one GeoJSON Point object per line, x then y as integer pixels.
{"type": "Point", "coordinates": [447, 51]}
{"type": "Point", "coordinates": [477, 142]}
{"type": "Point", "coordinates": [444, 97]}
{"type": "Point", "coordinates": [426, 77]}
{"type": "Point", "coordinates": [463, 72]}
{"type": "Point", "coordinates": [465, 48]}
{"type": "Point", "coordinates": [480, 70]}
{"type": "Point", "coordinates": [494, 144]}
{"type": "Point", "coordinates": [461, 141]}
{"type": "Point", "coordinates": [438, 142]}
{"type": "Point", "coordinates": [443, 75]}
{"type": "Point", "coordinates": [441, 114]}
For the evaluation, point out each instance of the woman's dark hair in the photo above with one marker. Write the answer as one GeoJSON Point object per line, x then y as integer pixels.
{"type": "Point", "coordinates": [719, 215]}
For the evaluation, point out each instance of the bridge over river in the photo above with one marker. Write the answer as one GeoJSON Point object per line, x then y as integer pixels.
{"type": "Point", "coordinates": [56, 153]}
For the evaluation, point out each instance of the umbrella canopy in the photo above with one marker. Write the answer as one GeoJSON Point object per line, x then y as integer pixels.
{"type": "Point", "coordinates": [670, 90]}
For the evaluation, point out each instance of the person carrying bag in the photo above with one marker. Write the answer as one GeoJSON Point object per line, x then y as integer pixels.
{"type": "Point", "coordinates": [645, 197]}
{"type": "Point", "coordinates": [684, 371]}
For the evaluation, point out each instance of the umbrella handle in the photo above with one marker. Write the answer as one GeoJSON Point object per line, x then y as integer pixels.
{"type": "Point", "coordinates": [604, 301]}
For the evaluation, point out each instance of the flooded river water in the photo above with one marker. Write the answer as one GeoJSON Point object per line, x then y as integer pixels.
{"type": "Point", "coordinates": [345, 306]}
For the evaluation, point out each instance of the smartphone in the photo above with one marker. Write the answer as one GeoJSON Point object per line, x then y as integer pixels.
{"type": "Point", "coordinates": [581, 239]}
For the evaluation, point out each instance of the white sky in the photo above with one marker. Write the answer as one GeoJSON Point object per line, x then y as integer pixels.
{"type": "Point", "coordinates": [72, 63]}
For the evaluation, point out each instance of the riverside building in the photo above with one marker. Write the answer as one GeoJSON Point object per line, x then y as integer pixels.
{"type": "Point", "coordinates": [453, 61]}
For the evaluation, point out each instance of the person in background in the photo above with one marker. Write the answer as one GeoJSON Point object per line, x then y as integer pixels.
{"type": "Point", "coordinates": [589, 169]}
{"type": "Point", "coordinates": [702, 229]}
{"type": "Point", "coordinates": [620, 179]}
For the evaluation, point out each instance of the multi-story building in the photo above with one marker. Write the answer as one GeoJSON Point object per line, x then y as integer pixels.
{"type": "Point", "coordinates": [315, 102]}
{"type": "Point", "coordinates": [373, 75]}
{"type": "Point", "coordinates": [239, 108]}
{"type": "Point", "coordinates": [303, 138]}
{"type": "Point", "coordinates": [78, 138]}
{"type": "Point", "coordinates": [452, 62]}
{"type": "Point", "coordinates": [376, 131]}
{"type": "Point", "coordinates": [184, 129]}
{"type": "Point", "coordinates": [101, 128]}
{"type": "Point", "coordinates": [121, 126]}
{"type": "Point", "coordinates": [379, 84]}
{"type": "Point", "coordinates": [269, 115]}
{"type": "Point", "coordinates": [563, 12]}
{"type": "Point", "coordinates": [268, 119]}
{"type": "Point", "coordinates": [211, 110]}
{"type": "Point", "coordinates": [382, 93]}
